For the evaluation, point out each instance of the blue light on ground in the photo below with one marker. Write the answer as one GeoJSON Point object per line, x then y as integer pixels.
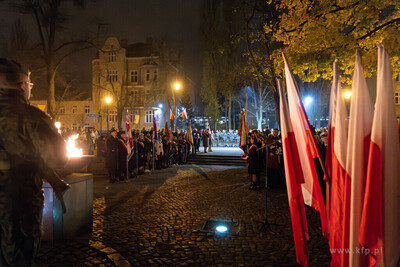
{"type": "Point", "coordinates": [221, 229]}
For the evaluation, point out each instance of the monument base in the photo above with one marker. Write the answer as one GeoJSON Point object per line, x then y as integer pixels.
{"type": "Point", "coordinates": [78, 220]}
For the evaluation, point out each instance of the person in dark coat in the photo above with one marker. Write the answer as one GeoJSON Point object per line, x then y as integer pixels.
{"type": "Point", "coordinates": [122, 156]}
{"type": "Point", "coordinates": [205, 140]}
{"type": "Point", "coordinates": [112, 155]}
{"type": "Point", "coordinates": [274, 170]}
{"type": "Point", "coordinates": [30, 149]}
{"type": "Point", "coordinates": [253, 168]}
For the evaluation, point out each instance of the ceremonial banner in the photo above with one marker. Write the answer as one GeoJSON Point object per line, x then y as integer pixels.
{"type": "Point", "coordinates": [359, 138]}
{"type": "Point", "coordinates": [294, 179]}
{"type": "Point", "coordinates": [189, 134]}
{"type": "Point", "coordinates": [380, 220]}
{"type": "Point", "coordinates": [167, 131]}
{"type": "Point", "coordinates": [307, 147]}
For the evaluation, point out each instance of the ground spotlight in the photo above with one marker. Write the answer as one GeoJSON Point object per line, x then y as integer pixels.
{"type": "Point", "coordinates": [221, 229]}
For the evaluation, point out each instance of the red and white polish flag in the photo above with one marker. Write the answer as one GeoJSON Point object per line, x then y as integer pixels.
{"type": "Point", "coordinates": [184, 115]}
{"type": "Point", "coordinates": [306, 145]}
{"type": "Point", "coordinates": [171, 115]}
{"type": "Point", "coordinates": [294, 179]}
{"type": "Point", "coordinates": [331, 135]}
{"type": "Point", "coordinates": [338, 226]}
{"type": "Point", "coordinates": [380, 220]}
{"type": "Point", "coordinates": [359, 136]}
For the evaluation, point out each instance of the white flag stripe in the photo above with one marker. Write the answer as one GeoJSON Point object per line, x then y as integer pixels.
{"type": "Point", "coordinates": [385, 135]}
{"type": "Point", "coordinates": [360, 123]}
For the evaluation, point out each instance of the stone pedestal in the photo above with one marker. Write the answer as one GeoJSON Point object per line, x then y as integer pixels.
{"type": "Point", "coordinates": [78, 220]}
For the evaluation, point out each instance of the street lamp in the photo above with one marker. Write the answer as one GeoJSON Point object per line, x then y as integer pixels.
{"type": "Point", "coordinates": [347, 94]}
{"type": "Point", "coordinates": [108, 101]}
{"type": "Point", "coordinates": [176, 86]}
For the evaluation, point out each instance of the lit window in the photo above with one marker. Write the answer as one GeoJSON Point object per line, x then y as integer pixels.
{"type": "Point", "coordinates": [155, 75]}
{"type": "Point", "coordinates": [87, 109]}
{"type": "Point", "coordinates": [397, 98]}
{"type": "Point", "coordinates": [74, 109]}
{"type": "Point", "coordinates": [132, 114]}
{"type": "Point", "coordinates": [134, 76]}
{"type": "Point", "coordinates": [147, 75]}
{"type": "Point", "coordinates": [62, 110]}
{"type": "Point", "coordinates": [112, 57]}
{"type": "Point", "coordinates": [149, 117]}
{"type": "Point", "coordinates": [112, 75]}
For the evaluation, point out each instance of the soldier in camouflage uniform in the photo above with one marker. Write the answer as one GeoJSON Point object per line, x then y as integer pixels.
{"type": "Point", "coordinates": [30, 147]}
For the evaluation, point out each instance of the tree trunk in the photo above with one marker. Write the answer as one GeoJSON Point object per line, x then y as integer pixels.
{"type": "Point", "coordinates": [230, 112]}
{"type": "Point", "coordinates": [51, 99]}
{"type": "Point", "coordinates": [260, 108]}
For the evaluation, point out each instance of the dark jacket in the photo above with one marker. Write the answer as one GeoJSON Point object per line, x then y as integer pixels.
{"type": "Point", "coordinates": [30, 149]}
{"type": "Point", "coordinates": [205, 139]}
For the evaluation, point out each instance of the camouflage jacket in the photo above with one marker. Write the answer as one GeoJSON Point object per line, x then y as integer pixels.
{"type": "Point", "coordinates": [30, 148]}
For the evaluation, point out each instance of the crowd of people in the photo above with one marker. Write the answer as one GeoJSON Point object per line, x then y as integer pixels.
{"type": "Point", "coordinates": [264, 150]}
{"type": "Point", "coordinates": [146, 150]}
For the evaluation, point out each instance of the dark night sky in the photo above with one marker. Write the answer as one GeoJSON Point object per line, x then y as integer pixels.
{"type": "Point", "coordinates": [177, 21]}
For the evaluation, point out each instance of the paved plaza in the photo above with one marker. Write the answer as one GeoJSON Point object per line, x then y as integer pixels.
{"type": "Point", "coordinates": [156, 220]}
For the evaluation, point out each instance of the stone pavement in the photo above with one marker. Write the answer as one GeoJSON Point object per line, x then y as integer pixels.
{"type": "Point", "coordinates": [156, 220]}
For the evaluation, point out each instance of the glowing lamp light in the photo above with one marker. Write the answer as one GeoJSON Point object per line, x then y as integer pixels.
{"type": "Point", "coordinates": [308, 100]}
{"type": "Point", "coordinates": [108, 100]}
{"type": "Point", "coordinates": [160, 105]}
{"type": "Point", "coordinates": [347, 94]}
{"type": "Point", "coordinates": [221, 229]}
{"type": "Point", "coordinates": [72, 150]}
{"type": "Point", "coordinates": [177, 86]}
{"type": "Point", "coordinates": [58, 126]}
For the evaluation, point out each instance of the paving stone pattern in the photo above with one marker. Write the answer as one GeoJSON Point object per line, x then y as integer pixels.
{"type": "Point", "coordinates": [155, 220]}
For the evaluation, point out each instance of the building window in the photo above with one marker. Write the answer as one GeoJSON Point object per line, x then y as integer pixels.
{"type": "Point", "coordinates": [87, 109]}
{"type": "Point", "coordinates": [74, 109]}
{"type": "Point", "coordinates": [74, 126]}
{"type": "Point", "coordinates": [112, 116]}
{"type": "Point", "coordinates": [62, 110]}
{"type": "Point", "coordinates": [132, 114]}
{"type": "Point", "coordinates": [112, 57]}
{"type": "Point", "coordinates": [112, 75]}
{"type": "Point", "coordinates": [397, 98]}
{"type": "Point", "coordinates": [155, 75]}
{"type": "Point", "coordinates": [149, 117]}
{"type": "Point", "coordinates": [134, 76]}
{"type": "Point", "coordinates": [86, 125]}
{"type": "Point", "coordinates": [147, 75]}
{"type": "Point", "coordinates": [98, 79]}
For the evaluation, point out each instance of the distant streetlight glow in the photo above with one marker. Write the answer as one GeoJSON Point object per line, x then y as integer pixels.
{"type": "Point", "coordinates": [160, 105]}
{"type": "Point", "coordinates": [108, 99]}
{"type": "Point", "coordinates": [177, 86]}
{"type": "Point", "coordinates": [347, 94]}
{"type": "Point", "coordinates": [308, 100]}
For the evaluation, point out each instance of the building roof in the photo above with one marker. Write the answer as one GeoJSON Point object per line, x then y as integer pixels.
{"type": "Point", "coordinates": [140, 50]}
